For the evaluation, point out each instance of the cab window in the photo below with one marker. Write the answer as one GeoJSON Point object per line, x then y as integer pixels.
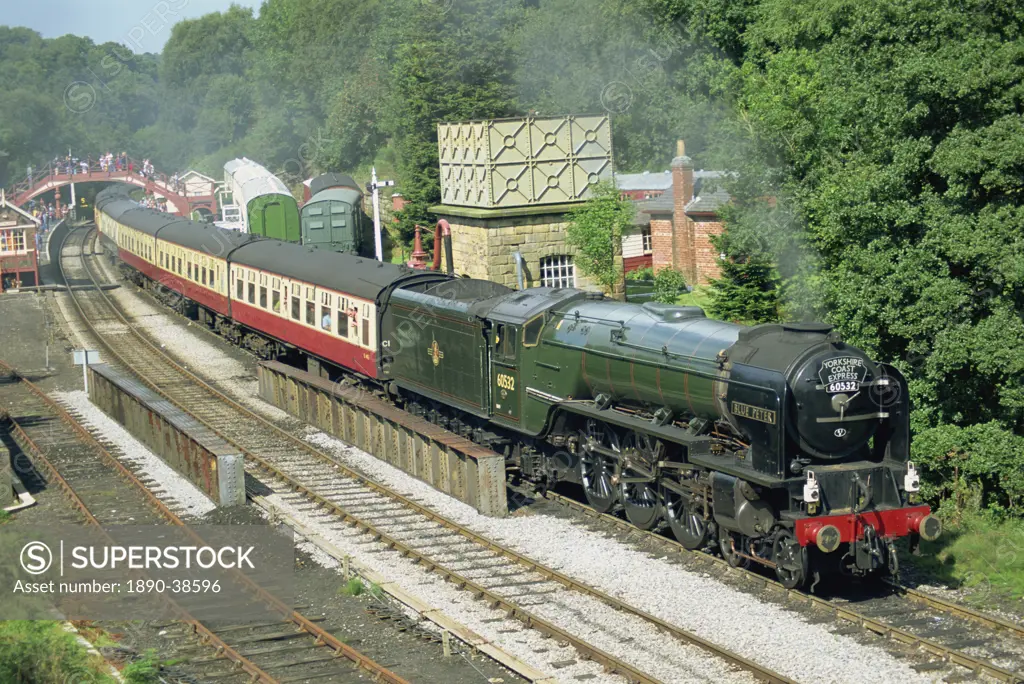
{"type": "Point", "coordinates": [532, 330]}
{"type": "Point", "coordinates": [505, 341]}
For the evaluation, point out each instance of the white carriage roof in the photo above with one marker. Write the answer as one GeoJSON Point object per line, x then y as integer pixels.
{"type": "Point", "coordinates": [253, 180]}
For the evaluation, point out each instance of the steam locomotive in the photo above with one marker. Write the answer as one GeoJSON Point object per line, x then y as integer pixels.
{"type": "Point", "coordinates": [778, 444]}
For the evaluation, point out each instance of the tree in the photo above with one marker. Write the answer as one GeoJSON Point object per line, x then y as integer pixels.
{"type": "Point", "coordinates": [595, 229]}
{"type": "Point", "coordinates": [747, 291]}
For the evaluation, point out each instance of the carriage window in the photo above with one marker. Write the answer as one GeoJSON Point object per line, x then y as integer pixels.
{"type": "Point", "coordinates": [326, 321]}
{"type": "Point", "coordinates": [366, 332]}
{"type": "Point", "coordinates": [310, 313]}
{"type": "Point", "coordinates": [252, 293]}
{"type": "Point", "coordinates": [204, 275]}
{"type": "Point", "coordinates": [277, 301]}
{"type": "Point", "coordinates": [263, 297]}
{"type": "Point", "coordinates": [179, 265]}
{"type": "Point", "coordinates": [342, 322]}
{"type": "Point", "coordinates": [532, 330]}
{"type": "Point", "coordinates": [241, 289]}
{"type": "Point", "coordinates": [295, 307]}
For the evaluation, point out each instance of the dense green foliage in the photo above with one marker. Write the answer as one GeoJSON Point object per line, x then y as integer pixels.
{"type": "Point", "coordinates": [595, 229]}
{"type": "Point", "coordinates": [897, 129]}
{"type": "Point", "coordinates": [877, 147]}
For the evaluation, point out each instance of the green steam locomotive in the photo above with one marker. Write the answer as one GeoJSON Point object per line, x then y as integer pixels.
{"type": "Point", "coordinates": [779, 444]}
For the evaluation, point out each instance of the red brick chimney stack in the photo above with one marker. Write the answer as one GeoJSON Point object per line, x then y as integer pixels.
{"type": "Point", "coordinates": [682, 194]}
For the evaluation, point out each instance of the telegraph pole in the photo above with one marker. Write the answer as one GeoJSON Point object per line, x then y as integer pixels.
{"type": "Point", "coordinates": [374, 186]}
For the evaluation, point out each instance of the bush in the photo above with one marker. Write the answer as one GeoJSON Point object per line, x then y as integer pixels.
{"type": "Point", "coordinates": [669, 285]}
{"type": "Point", "coordinates": [971, 469]}
{"type": "Point", "coordinates": [641, 274]}
{"type": "Point", "coordinates": [42, 652]}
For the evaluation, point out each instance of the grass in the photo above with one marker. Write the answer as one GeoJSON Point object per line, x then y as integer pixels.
{"type": "Point", "coordinates": [6, 517]}
{"type": "Point", "coordinates": [146, 670]}
{"type": "Point", "coordinates": [43, 652]}
{"type": "Point", "coordinates": [979, 553]}
{"type": "Point", "coordinates": [376, 591]}
{"type": "Point", "coordinates": [354, 587]}
{"type": "Point", "coordinates": [699, 297]}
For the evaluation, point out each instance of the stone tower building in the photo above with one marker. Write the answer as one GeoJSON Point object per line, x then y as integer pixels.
{"type": "Point", "coordinates": [507, 187]}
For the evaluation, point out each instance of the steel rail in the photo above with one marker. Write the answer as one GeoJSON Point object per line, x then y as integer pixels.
{"type": "Point", "coordinates": [222, 648]}
{"type": "Point", "coordinates": [610, 662]}
{"type": "Point", "coordinates": [878, 627]}
{"type": "Point", "coordinates": [322, 636]}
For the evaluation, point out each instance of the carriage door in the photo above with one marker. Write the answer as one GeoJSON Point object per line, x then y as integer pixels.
{"type": "Point", "coordinates": [505, 386]}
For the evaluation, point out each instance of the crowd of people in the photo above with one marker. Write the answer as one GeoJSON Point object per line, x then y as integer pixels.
{"type": "Point", "coordinates": [108, 163]}
{"type": "Point", "coordinates": [48, 216]}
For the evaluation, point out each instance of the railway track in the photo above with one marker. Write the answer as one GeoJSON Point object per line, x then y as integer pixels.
{"type": "Point", "coordinates": [286, 647]}
{"type": "Point", "coordinates": [504, 579]}
{"type": "Point", "coordinates": [296, 471]}
{"type": "Point", "coordinates": [931, 624]}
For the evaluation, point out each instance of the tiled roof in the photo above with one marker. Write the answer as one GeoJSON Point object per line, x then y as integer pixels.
{"type": "Point", "coordinates": [708, 202]}
{"type": "Point", "coordinates": [643, 181]}
{"type": "Point", "coordinates": [658, 205]}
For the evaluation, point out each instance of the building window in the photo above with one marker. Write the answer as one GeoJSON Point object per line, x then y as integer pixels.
{"type": "Point", "coordinates": [12, 241]}
{"type": "Point", "coordinates": [645, 234]}
{"type": "Point", "coordinates": [557, 271]}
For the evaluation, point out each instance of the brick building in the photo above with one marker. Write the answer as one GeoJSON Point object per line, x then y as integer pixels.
{"type": "Point", "coordinates": [674, 229]}
{"type": "Point", "coordinates": [19, 261]}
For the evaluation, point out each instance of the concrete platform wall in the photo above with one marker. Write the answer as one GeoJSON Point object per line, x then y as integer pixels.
{"type": "Point", "coordinates": [445, 461]}
{"type": "Point", "coordinates": [186, 445]}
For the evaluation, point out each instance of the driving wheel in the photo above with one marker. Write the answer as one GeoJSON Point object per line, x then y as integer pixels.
{"type": "Point", "coordinates": [598, 470]}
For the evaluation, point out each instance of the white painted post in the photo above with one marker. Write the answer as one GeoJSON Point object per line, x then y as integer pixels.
{"type": "Point", "coordinates": [83, 357]}
{"type": "Point", "coordinates": [446, 643]}
{"type": "Point", "coordinates": [73, 205]}
{"type": "Point", "coordinates": [374, 187]}
{"type": "Point", "coordinates": [376, 216]}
